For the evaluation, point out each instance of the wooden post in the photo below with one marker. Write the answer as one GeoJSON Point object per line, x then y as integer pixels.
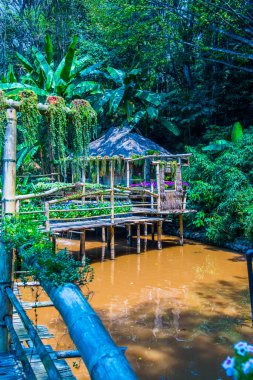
{"type": "Point", "coordinates": [112, 189]}
{"type": "Point", "coordinates": [108, 238]}
{"type": "Point", "coordinates": [82, 245]}
{"type": "Point", "coordinates": [128, 173]}
{"type": "Point", "coordinates": [9, 163]}
{"type": "Point", "coordinates": [83, 182]}
{"type": "Point", "coordinates": [112, 241]}
{"type": "Point", "coordinates": [9, 207]}
{"type": "Point", "coordinates": [159, 235]}
{"type": "Point", "coordinates": [145, 236]}
{"type": "Point", "coordinates": [46, 208]}
{"type": "Point", "coordinates": [153, 231]}
{"type": "Point", "coordinates": [181, 230]}
{"type": "Point", "coordinates": [129, 235]}
{"type": "Point", "coordinates": [138, 238]}
{"type": "Point", "coordinates": [97, 172]}
{"type": "Point", "coordinates": [152, 191]}
{"type": "Point", "coordinates": [17, 205]}
{"type": "Point", "coordinates": [158, 186]}
{"type": "Point", "coordinates": [103, 235]}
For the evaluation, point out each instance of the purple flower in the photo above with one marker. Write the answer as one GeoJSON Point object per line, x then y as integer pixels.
{"type": "Point", "coordinates": [248, 367]}
{"type": "Point", "coordinates": [241, 348]}
{"type": "Point", "coordinates": [228, 363]}
{"type": "Point", "coordinates": [250, 348]}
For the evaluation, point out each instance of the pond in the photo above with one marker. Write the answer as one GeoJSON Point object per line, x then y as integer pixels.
{"type": "Point", "coordinates": [178, 310]}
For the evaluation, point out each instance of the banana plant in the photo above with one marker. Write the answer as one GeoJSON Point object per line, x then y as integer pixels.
{"type": "Point", "coordinates": [128, 102]}
{"type": "Point", "coordinates": [45, 78]}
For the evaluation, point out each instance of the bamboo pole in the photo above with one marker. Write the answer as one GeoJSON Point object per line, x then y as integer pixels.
{"type": "Point", "coordinates": [8, 207]}
{"type": "Point", "coordinates": [138, 238]}
{"type": "Point", "coordinates": [158, 186]}
{"type": "Point", "coordinates": [129, 235]}
{"type": "Point", "coordinates": [127, 173]}
{"type": "Point", "coordinates": [82, 245]}
{"type": "Point", "coordinates": [145, 236]}
{"type": "Point", "coordinates": [112, 242]}
{"type": "Point", "coordinates": [181, 229]}
{"type": "Point", "coordinates": [159, 235]}
{"type": "Point", "coordinates": [9, 163]}
{"type": "Point", "coordinates": [112, 190]}
{"type": "Point", "coordinates": [103, 235]}
{"type": "Point", "coordinates": [47, 215]}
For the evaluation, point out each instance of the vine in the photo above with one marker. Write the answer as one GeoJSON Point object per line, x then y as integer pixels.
{"type": "Point", "coordinates": [57, 115]}
{"type": "Point", "coordinates": [2, 120]}
{"type": "Point", "coordinates": [85, 125]}
{"type": "Point", "coordinates": [30, 115]}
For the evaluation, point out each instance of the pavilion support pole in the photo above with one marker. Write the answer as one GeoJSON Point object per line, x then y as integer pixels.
{"type": "Point", "coordinates": [112, 189]}
{"type": "Point", "coordinates": [145, 236]}
{"type": "Point", "coordinates": [159, 234]}
{"type": "Point", "coordinates": [128, 173]}
{"type": "Point", "coordinates": [112, 242]}
{"type": "Point", "coordinates": [181, 230]}
{"type": "Point", "coordinates": [9, 207]}
{"type": "Point", "coordinates": [138, 238]}
{"type": "Point", "coordinates": [158, 186]}
{"type": "Point", "coordinates": [152, 197]}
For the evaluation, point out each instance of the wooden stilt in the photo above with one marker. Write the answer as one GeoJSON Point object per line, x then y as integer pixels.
{"type": "Point", "coordinates": [103, 235]}
{"type": "Point", "coordinates": [145, 236]}
{"type": "Point", "coordinates": [159, 235]}
{"type": "Point", "coordinates": [127, 173]}
{"type": "Point", "coordinates": [129, 235]}
{"type": "Point", "coordinates": [112, 242]}
{"type": "Point", "coordinates": [181, 229]}
{"type": "Point", "coordinates": [153, 231]}
{"type": "Point", "coordinates": [138, 238]}
{"type": "Point", "coordinates": [103, 253]}
{"type": "Point", "coordinates": [82, 245]}
{"type": "Point", "coordinates": [108, 230]}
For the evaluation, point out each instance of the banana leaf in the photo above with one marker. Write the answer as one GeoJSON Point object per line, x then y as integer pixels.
{"type": "Point", "coordinates": [115, 99]}
{"type": "Point", "coordinates": [48, 49]}
{"type": "Point", "coordinates": [237, 132]}
{"type": "Point", "coordinates": [169, 126]}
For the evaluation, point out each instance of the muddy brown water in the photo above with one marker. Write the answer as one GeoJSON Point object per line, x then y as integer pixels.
{"type": "Point", "coordinates": [178, 310]}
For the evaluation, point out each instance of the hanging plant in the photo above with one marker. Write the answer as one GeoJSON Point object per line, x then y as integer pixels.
{"type": "Point", "coordinates": [103, 168]}
{"type": "Point", "coordinates": [2, 120]}
{"type": "Point", "coordinates": [173, 169]}
{"type": "Point", "coordinates": [30, 115]}
{"type": "Point", "coordinates": [84, 120]}
{"type": "Point", "coordinates": [57, 118]}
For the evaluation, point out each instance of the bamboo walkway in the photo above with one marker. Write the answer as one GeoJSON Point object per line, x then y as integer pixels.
{"type": "Point", "coordinates": [11, 368]}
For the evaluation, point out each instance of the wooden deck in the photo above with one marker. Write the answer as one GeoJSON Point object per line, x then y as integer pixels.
{"type": "Point", "coordinates": [87, 224]}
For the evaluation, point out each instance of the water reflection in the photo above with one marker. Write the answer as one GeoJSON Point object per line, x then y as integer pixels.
{"type": "Point", "coordinates": [178, 310]}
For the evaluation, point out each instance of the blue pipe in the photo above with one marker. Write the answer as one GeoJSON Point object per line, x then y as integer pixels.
{"type": "Point", "coordinates": [103, 359]}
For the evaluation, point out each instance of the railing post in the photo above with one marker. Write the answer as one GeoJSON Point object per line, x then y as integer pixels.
{"type": "Point", "coordinates": [9, 207]}
{"type": "Point", "coordinates": [249, 255]}
{"type": "Point", "coordinates": [47, 215]}
{"type": "Point", "coordinates": [158, 186]}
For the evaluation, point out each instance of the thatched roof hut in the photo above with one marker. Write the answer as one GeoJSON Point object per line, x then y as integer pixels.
{"type": "Point", "coordinates": [121, 141]}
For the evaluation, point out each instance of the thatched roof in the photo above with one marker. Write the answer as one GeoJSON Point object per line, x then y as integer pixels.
{"type": "Point", "coordinates": [122, 141]}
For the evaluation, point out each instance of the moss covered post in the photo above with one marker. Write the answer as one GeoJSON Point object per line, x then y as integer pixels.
{"type": "Point", "coordinates": [9, 207]}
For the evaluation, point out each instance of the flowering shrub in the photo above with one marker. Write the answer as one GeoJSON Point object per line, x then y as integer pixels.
{"type": "Point", "coordinates": [168, 184]}
{"type": "Point", "coordinates": [240, 367]}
